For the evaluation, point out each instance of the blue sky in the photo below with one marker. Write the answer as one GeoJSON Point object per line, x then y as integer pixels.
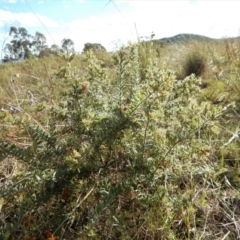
{"type": "Point", "coordinates": [114, 22]}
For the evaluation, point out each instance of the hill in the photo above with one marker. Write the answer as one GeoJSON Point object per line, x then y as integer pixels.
{"type": "Point", "coordinates": [186, 38]}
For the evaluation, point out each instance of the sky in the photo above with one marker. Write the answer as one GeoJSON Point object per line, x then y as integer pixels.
{"type": "Point", "coordinates": [115, 22]}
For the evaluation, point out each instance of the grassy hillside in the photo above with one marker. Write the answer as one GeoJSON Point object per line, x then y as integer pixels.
{"type": "Point", "coordinates": [139, 144]}
{"type": "Point", "coordinates": [187, 38]}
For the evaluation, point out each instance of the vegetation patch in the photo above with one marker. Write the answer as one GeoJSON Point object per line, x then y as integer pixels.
{"type": "Point", "coordinates": [113, 146]}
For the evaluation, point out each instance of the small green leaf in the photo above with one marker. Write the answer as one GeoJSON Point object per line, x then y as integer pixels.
{"type": "Point", "coordinates": [2, 115]}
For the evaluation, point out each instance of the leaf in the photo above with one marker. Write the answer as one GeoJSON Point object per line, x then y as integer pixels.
{"type": "Point", "coordinates": [215, 129]}
{"type": "Point", "coordinates": [38, 178]}
{"type": "Point", "coordinates": [104, 192]}
{"type": "Point", "coordinates": [1, 203]}
{"type": "Point", "coordinates": [2, 114]}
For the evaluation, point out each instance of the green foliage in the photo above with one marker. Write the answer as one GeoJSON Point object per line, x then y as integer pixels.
{"type": "Point", "coordinates": [23, 46]}
{"type": "Point", "coordinates": [67, 45]}
{"type": "Point", "coordinates": [93, 47]}
{"type": "Point", "coordinates": [124, 154]}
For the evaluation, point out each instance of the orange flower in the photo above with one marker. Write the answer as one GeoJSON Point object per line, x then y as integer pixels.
{"type": "Point", "coordinates": [29, 221]}
{"type": "Point", "coordinates": [133, 194]}
{"type": "Point", "coordinates": [37, 116]}
{"type": "Point", "coordinates": [124, 108]}
{"type": "Point", "coordinates": [52, 237]}
{"type": "Point", "coordinates": [84, 87]}
{"type": "Point", "coordinates": [69, 148]}
{"type": "Point", "coordinates": [65, 194]}
{"type": "Point", "coordinates": [98, 196]}
{"type": "Point", "coordinates": [11, 134]}
{"type": "Point", "coordinates": [145, 153]}
{"type": "Point", "coordinates": [27, 237]}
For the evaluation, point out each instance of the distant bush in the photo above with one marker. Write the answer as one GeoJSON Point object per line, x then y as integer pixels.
{"type": "Point", "coordinates": [47, 52]}
{"type": "Point", "coordinates": [93, 47]}
{"type": "Point", "coordinates": [193, 63]}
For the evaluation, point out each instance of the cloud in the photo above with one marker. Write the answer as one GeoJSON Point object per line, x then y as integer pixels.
{"type": "Point", "coordinates": [80, 1]}
{"type": "Point", "coordinates": [104, 30]}
{"type": "Point", "coordinates": [137, 18]}
{"type": "Point", "coordinates": [8, 1]}
{"type": "Point", "coordinates": [143, 18]}
{"type": "Point", "coordinates": [2, 37]}
{"type": "Point", "coordinates": [213, 18]}
{"type": "Point", "coordinates": [25, 19]}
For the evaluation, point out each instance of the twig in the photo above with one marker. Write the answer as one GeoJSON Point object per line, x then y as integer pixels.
{"type": "Point", "coordinates": [235, 135]}
{"type": "Point", "coordinates": [225, 237]}
{"type": "Point", "coordinates": [145, 136]}
{"type": "Point", "coordinates": [78, 205]}
{"type": "Point", "coordinates": [205, 224]}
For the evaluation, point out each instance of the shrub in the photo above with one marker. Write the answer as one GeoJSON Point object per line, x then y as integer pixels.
{"type": "Point", "coordinates": [117, 158]}
{"type": "Point", "coordinates": [193, 63]}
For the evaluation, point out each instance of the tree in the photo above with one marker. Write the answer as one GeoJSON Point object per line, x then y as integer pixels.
{"type": "Point", "coordinates": [23, 45]}
{"type": "Point", "coordinates": [39, 43]}
{"type": "Point", "coordinates": [8, 49]}
{"type": "Point", "coordinates": [49, 52]}
{"type": "Point", "coordinates": [94, 47]}
{"type": "Point", "coordinates": [55, 48]}
{"type": "Point", "coordinates": [67, 45]}
{"type": "Point", "coordinates": [19, 46]}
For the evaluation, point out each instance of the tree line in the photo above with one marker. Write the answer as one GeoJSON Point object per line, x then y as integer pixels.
{"type": "Point", "coordinates": [23, 45]}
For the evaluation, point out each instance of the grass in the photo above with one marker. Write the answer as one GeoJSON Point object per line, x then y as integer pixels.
{"type": "Point", "coordinates": [122, 146]}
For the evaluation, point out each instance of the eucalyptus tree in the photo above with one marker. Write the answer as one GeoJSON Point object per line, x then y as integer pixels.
{"type": "Point", "coordinates": [23, 45]}
{"type": "Point", "coordinates": [39, 43]}
{"type": "Point", "coordinates": [19, 47]}
{"type": "Point", "coordinates": [67, 45]}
